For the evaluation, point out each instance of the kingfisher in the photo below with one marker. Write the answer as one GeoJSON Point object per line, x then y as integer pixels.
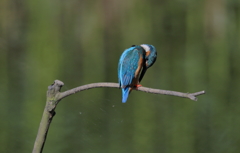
{"type": "Point", "coordinates": [133, 65]}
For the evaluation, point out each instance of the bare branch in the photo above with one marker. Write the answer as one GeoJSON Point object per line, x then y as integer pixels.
{"type": "Point", "coordinates": [191, 96]}
{"type": "Point", "coordinates": [88, 86]}
{"type": "Point", "coordinates": [54, 96]}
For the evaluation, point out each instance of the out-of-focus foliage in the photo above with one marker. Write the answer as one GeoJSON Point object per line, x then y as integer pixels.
{"type": "Point", "coordinates": [80, 42]}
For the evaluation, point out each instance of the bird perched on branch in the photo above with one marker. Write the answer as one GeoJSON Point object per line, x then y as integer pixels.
{"type": "Point", "coordinates": [132, 66]}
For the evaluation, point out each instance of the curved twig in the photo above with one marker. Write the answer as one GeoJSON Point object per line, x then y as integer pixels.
{"type": "Point", "coordinates": [191, 96]}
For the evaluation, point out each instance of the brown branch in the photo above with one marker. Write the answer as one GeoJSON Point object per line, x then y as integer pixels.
{"type": "Point", "coordinates": [191, 96]}
{"type": "Point", "coordinates": [54, 96]}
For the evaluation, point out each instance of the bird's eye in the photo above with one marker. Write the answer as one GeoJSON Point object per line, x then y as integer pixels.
{"type": "Point", "coordinates": [133, 45]}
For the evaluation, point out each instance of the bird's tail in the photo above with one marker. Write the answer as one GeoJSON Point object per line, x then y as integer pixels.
{"type": "Point", "coordinates": [125, 93]}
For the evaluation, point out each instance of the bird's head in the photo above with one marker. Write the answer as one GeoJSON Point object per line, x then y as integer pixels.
{"type": "Point", "coordinates": [151, 54]}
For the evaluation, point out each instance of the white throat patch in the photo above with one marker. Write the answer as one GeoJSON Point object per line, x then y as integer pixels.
{"type": "Point", "coordinates": [146, 47]}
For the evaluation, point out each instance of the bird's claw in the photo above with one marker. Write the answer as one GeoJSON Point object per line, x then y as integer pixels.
{"type": "Point", "coordinates": [137, 86]}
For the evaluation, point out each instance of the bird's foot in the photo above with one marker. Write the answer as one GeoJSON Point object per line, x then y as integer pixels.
{"type": "Point", "coordinates": [137, 86]}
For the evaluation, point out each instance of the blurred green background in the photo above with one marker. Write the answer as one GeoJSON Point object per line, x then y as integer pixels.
{"type": "Point", "coordinates": [80, 42]}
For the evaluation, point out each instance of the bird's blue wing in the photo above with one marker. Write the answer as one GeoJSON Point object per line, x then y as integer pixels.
{"type": "Point", "coordinates": [127, 66]}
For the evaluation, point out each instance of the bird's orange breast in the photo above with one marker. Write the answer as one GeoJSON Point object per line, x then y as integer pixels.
{"type": "Point", "coordinates": [135, 81]}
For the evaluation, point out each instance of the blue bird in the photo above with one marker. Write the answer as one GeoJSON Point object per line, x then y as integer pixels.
{"type": "Point", "coordinates": [132, 66]}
